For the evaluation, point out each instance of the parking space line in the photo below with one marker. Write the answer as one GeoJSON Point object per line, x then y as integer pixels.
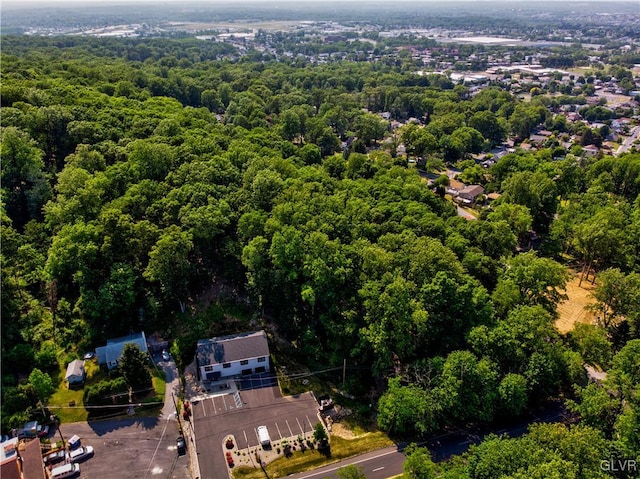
{"type": "Point", "coordinates": [299, 425]}
{"type": "Point", "coordinates": [279, 433]}
{"type": "Point", "coordinates": [224, 402]}
{"type": "Point", "coordinates": [245, 437]}
{"type": "Point", "coordinates": [309, 421]}
{"type": "Point", "coordinates": [213, 401]}
{"type": "Point", "coordinates": [290, 431]}
{"type": "Point", "coordinates": [204, 409]}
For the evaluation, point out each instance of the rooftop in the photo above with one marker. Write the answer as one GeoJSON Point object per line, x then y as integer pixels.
{"type": "Point", "coordinates": [225, 349]}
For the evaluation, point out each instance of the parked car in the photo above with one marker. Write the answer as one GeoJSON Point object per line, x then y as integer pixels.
{"type": "Point", "coordinates": [33, 429]}
{"type": "Point", "coordinates": [54, 457]}
{"type": "Point", "coordinates": [80, 454]}
{"type": "Point", "coordinates": [68, 470]}
{"type": "Point", "coordinates": [165, 355]}
{"type": "Point", "coordinates": [74, 441]}
{"type": "Point", "coordinates": [89, 355]}
{"type": "Point", "coordinates": [182, 446]}
{"type": "Point", "coordinates": [263, 436]}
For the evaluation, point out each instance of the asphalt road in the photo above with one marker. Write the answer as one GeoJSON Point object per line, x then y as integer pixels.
{"type": "Point", "coordinates": [628, 142]}
{"type": "Point", "coordinates": [379, 464]}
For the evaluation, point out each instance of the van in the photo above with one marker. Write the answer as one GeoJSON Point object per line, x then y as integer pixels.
{"type": "Point", "coordinates": [263, 436]}
{"type": "Point", "coordinates": [66, 470]}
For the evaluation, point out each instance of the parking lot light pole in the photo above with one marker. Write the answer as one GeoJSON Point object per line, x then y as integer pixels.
{"type": "Point", "coordinates": [56, 421]}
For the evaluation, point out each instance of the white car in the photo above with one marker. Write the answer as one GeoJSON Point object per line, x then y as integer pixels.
{"type": "Point", "coordinates": [165, 355]}
{"type": "Point", "coordinates": [81, 453]}
{"type": "Point", "coordinates": [263, 436]}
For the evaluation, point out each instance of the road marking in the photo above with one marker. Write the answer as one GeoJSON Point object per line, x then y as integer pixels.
{"type": "Point", "coordinates": [204, 409]}
{"type": "Point", "coordinates": [224, 402]}
{"type": "Point", "coordinates": [301, 430]}
{"type": "Point", "coordinates": [377, 469]}
{"type": "Point", "coordinates": [157, 447]}
{"type": "Point", "coordinates": [215, 411]}
{"type": "Point", "coordinates": [326, 471]}
{"type": "Point", "coordinates": [290, 431]}
{"type": "Point", "coordinates": [245, 437]}
{"type": "Point", "coordinates": [309, 421]}
{"type": "Point", "coordinates": [279, 433]}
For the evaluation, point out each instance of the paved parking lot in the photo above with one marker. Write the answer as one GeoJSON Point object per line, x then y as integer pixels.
{"type": "Point", "coordinates": [138, 447]}
{"type": "Point", "coordinates": [214, 418]}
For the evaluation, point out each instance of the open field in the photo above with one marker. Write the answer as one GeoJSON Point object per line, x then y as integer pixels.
{"type": "Point", "coordinates": [573, 310]}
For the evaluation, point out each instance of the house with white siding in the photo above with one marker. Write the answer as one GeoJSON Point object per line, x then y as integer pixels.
{"type": "Point", "coordinates": [232, 356]}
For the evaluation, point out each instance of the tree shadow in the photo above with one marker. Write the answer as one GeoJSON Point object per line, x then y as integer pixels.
{"type": "Point", "coordinates": [106, 426]}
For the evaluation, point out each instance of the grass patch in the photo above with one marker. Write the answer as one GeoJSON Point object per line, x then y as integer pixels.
{"type": "Point", "coordinates": [61, 400]}
{"type": "Point", "coordinates": [303, 461]}
{"type": "Point", "coordinates": [159, 384]}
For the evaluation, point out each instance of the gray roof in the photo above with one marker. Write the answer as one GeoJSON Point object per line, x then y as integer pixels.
{"type": "Point", "coordinates": [472, 190]}
{"type": "Point", "coordinates": [236, 347]}
{"type": "Point", "coordinates": [75, 368]}
{"type": "Point", "coordinates": [113, 350]}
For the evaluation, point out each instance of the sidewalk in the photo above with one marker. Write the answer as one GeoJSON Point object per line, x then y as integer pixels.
{"type": "Point", "coordinates": [189, 437]}
{"type": "Point", "coordinates": [172, 392]}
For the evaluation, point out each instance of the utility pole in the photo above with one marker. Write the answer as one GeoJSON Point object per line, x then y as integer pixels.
{"type": "Point", "coordinates": [175, 404]}
{"type": "Point", "coordinates": [55, 420]}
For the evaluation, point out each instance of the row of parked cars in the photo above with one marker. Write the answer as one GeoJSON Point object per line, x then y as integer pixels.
{"type": "Point", "coordinates": [77, 453]}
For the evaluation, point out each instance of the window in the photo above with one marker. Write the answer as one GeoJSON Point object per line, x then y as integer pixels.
{"type": "Point", "coordinates": [244, 362]}
{"type": "Point", "coordinates": [208, 368]}
{"type": "Point", "coordinates": [261, 360]}
{"type": "Point", "coordinates": [226, 365]}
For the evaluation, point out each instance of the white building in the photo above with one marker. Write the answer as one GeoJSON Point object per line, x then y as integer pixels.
{"type": "Point", "coordinates": [236, 355]}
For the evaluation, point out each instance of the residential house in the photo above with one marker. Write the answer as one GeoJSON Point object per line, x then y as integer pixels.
{"type": "Point", "coordinates": [76, 374]}
{"type": "Point", "coordinates": [590, 151]}
{"type": "Point", "coordinates": [110, 354]}
{"type": "Point", "coordinates": [454, 187]}
{"type": "Point", "coordinates": [235, 355]}
{"type": "Point", "coordinates": [31, 456]}
{"type": "Point", "coordinates": [469, 194]}
{"type": "Point", "coordinates": [21, 460]}
{"type": "Point", "coordinates": [9, 463]}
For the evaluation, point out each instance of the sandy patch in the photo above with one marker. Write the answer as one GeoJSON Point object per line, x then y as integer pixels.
{"type": "Point", "coordinates": [573, 310]}
{"type": "Point", "coordinates": [341, 430]}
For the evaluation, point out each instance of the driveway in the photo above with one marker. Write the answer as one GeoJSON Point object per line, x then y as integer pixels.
{"type": "Point", "coordinates": [239, 414]}
{"type": "Point", "coordinates": [465, 214]}
{"type": "Point", "coordinates": [143, 447]}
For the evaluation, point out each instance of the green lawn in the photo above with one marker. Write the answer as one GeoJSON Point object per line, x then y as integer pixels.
{"type": "Point", "coordinates": [311, 459]}
{"type": "Point", "coordinates": [60, 403]}
{"type": "Point", "coordinates": [61, 400]}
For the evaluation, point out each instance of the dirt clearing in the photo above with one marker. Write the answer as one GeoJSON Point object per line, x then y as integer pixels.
{"type": "Point", "coordinates": [573, 310]}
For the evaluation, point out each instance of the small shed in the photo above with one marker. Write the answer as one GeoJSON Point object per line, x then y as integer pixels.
{"type": "Point", "coordinates": [75, 373]}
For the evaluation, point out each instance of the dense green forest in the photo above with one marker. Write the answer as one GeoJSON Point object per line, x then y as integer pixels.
{"type": "Point", "coordinates": [139, 177]}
